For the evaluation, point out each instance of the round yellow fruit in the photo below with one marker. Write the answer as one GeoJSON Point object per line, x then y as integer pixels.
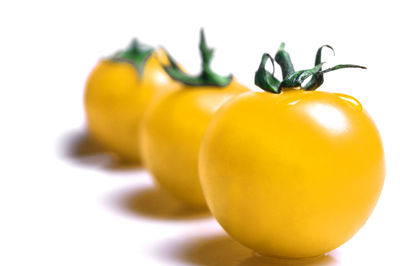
{"type": "Point", "coordinates": [294, 174]}
{"type": "Point", "coordinates": [118, 92]}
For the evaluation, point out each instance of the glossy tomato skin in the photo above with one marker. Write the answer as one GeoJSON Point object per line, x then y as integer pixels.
{"type": "Point", "coordinates": [116, 98]}
{"type": "Point", "coordinates": [171, 136]}
{"type": "Point", "coordinates": [294, 174]}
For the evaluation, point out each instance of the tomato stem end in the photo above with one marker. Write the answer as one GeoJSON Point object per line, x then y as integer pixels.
{"type": "Point", "coordinates": [135, 54]}
{"type": "Point", "coordinates": [207, 77]}
{"type": "Point", "coordinates": [291, 78]}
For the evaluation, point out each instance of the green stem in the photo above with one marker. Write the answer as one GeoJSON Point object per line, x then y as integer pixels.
{"type": "Point", "coordinates": [283, 59]}
{"type": "Point", "coordinates": [136, 54]}
{"type": "Point", "coordinates": [206, 77]}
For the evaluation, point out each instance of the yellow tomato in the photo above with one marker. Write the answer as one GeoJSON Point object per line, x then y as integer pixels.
{"type": "Point", "coordinates": [294, 174]}
{"type": "Point", "coordinates": [173, 128]}
{"type": "Point", "coordinates": [171, 136]}
{"type": "Point", "coordinates": [116, 98]}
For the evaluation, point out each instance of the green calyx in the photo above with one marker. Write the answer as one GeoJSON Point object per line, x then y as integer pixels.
{"type": "Point", "coordinates": [206, 77]}
{"type": "Point", "coordinates": [291, 78]}
{"type": "Point", "coordinates": [136, 54]}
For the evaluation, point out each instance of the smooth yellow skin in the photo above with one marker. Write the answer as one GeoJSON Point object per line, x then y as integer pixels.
{"type": "Point", "coordinates": [171, 136]}
{"type": "Point", "coordinates": [292, 175]}
{"type": "Point", "coordinates": [116, 99]}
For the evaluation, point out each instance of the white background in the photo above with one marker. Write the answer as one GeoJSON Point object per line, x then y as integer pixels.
{"type": "Point", "coordinates": [61, 204]}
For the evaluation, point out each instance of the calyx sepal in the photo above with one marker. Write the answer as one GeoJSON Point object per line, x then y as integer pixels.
{"type": "Point", "coordinates": [265, 79]}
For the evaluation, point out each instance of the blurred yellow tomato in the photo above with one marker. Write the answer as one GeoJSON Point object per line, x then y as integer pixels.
{"type": "Point", "coordinates": [174, 126]}
{"type": "Point", "coordinates": [118, 92]}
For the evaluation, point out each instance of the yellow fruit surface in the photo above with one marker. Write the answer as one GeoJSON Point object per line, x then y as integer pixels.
{"type": "Point", "coordinates": [294, 174]}
{"type": "Point", "coordinates": [171, 136]}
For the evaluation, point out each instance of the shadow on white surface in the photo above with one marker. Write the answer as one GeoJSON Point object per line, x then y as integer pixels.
{"type": "Point", "coordinates": [222, 250]}
{"type": "Point", "coordinates": [78, 147]}
{"type": "Point", "coordinates": [255, 260]}
{"type": "Point", "coordinates": [152, 202]}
